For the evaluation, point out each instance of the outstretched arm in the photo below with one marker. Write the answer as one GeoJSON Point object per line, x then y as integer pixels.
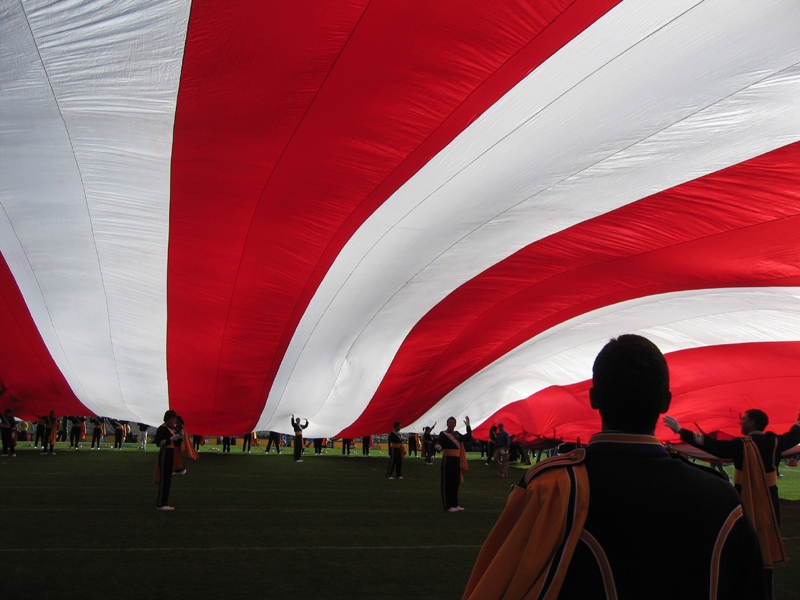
{"type": "Point", "coordinates": [719, 448]}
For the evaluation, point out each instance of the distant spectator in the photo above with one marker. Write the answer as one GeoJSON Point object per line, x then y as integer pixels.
{"type": "Point", "coordinates": [502, 443]}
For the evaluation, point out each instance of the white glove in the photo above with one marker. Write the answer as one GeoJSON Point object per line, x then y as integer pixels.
{"type": "Point", "coordinates": [672, 423]}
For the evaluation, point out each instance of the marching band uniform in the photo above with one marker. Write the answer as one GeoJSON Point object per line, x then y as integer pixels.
{"type": "Point", "coordinates": [454, 463]}
{"type": "Point", "coordinates": [98, 431]}
{"type": "Point", "coordinates": [395, 455]}
{"type": "Point", "coordinates": [298, 439]}
{"type": "Point", "coordinates": [755, 460]}
{"type": "Point", "coordinates": [556, 539]}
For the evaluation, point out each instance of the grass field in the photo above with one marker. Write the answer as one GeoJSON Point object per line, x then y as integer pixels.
{"type": "Point", "coordinates": [82, 524]}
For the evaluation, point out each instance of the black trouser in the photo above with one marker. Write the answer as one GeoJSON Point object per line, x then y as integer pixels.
{"type": "Point", "coordinates": [74, 436]}
{"type": "Point", "coordinates": [395, 462]}
{"type": "Point", "coordinates": [346, 446]}
{"type": "Point", "coordinates": [412, 446]}
{"type": "Point", "coordinates": [298, 446]}
{"type": "Point", "coordinates": [226, 444]}
{"type": "Point", "coordinates": [118, 438]}
{"type": "Point", "coordinates": [8, 442]}
{"type": "Point", "coordinates": [166, 457]}
{"type": "Point", "coordinates": [246, 441]}
{"type": "Point", "coordinates": [39, 434]}
{"type": "Point", "coordinates": [196, 439]}
{"type": "Point", "coordinates": [97, 434]}
{"type": "Point", "coordinates": [451, 480]}
{"type": "Point", "coordinates": [491, 449]}
{"type": "Point", "coordinates": [429, 451]}
{"type": "Point", "coordinates": [365, 447]}
{"type": "Point", "coordinates": [274, 438]}
{"type": "Point", "coordinates": [46, 439]}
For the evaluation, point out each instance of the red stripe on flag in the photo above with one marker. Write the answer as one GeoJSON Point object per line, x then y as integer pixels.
{"type": "Point", "coordinates": [734, 228]}
{"type": "Point", "coordinates": [707, 388]}
{"type": "Point", "coordinates": [294, 123]}
{"type": "Point", "coordinates": [28, 373]}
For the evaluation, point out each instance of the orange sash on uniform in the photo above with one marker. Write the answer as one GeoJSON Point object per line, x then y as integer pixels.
{"type": "Point", "coordinates": [53, 434]}
{"type": "Point", "coordinates": [529, 550]}
{"type": "Point", "coordinates": [187, 448]}
{"type": "Point", "coordinates": [462, 454]}
{"type": "Point", "coordinates": [755, 482]}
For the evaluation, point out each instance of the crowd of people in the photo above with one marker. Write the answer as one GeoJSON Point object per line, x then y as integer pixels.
{"type": "Point", "coordinates": [554, 538]}
{"type": "Point", "coordinates": [48, 430]}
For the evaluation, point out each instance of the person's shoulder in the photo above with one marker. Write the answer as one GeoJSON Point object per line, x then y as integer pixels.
{"type": "Point", "coordinates": [548, 465]}
{"type": "Point", "coordinates": [691, 476]}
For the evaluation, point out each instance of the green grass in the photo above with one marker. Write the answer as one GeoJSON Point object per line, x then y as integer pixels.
{"type": "Point", "coordinates": [254, 526]}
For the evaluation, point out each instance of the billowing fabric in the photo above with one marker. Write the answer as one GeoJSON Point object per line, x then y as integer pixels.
{"type": "Point", "coordinates": [367, 212]}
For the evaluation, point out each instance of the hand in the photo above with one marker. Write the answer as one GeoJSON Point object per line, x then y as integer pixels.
{"type": "Point", "coordinates": [438, 448]}
{"type": "Point", "coordinates": [672, 423]}
{"type": "Point", "coordinates": [466, 421]}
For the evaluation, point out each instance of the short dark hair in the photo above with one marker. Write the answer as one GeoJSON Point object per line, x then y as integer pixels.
{"type": "Point", "coordinates": [397, 424]}
{"type": "Point", "coordinates": [630, 382]}
{"type": "Point", "coordinates": [759, 417]}
{"type": "Point", "coordinates": [170, 414]}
